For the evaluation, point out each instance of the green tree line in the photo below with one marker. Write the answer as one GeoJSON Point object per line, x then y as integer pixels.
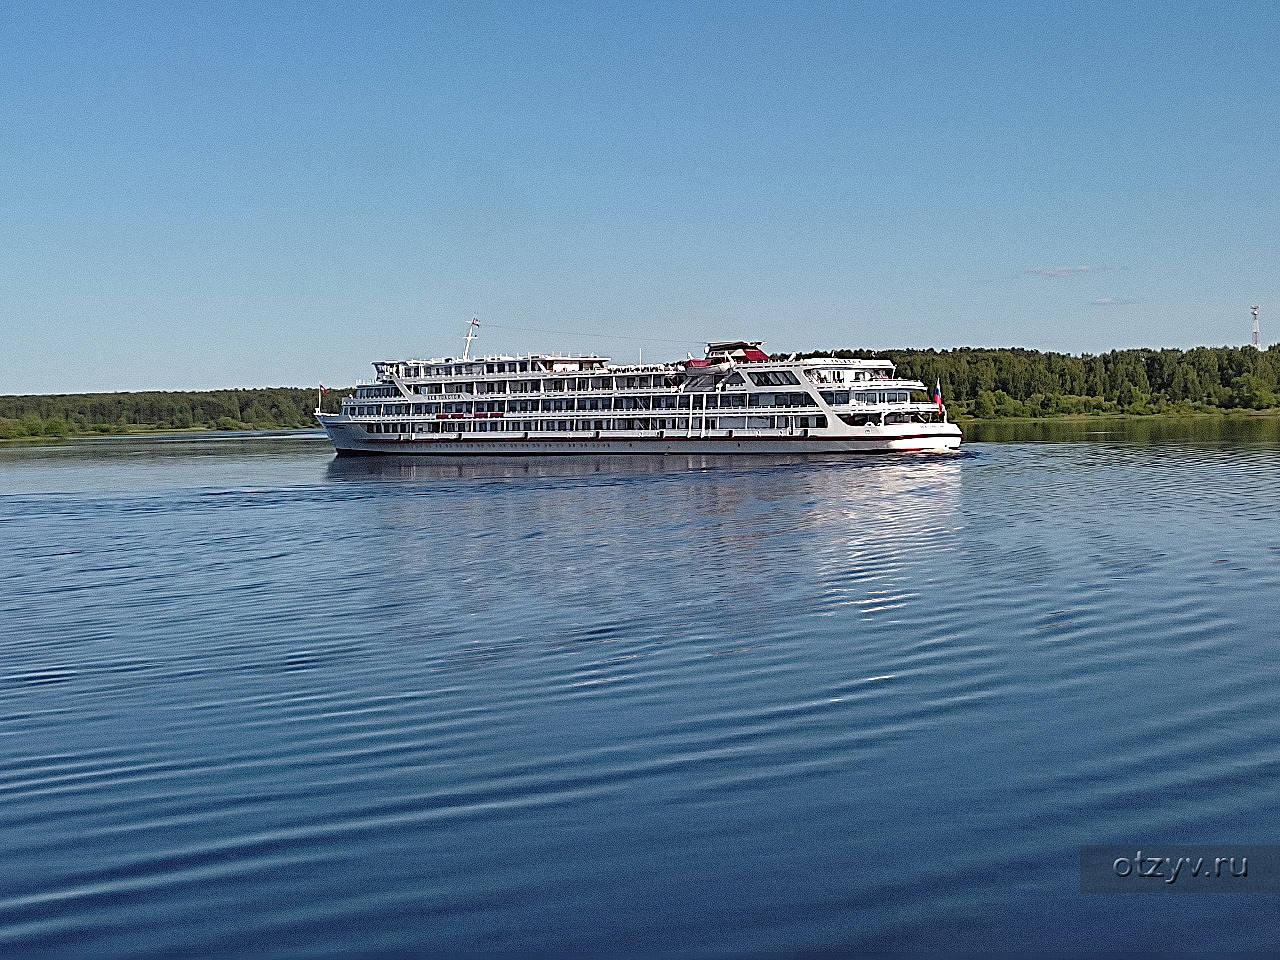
{"type": "Point", "coordinates": [75, 414]}
{"type": "Point", "coordinates": [1013, 382]}
{"type": "Point", "coordinates": [979, 382]}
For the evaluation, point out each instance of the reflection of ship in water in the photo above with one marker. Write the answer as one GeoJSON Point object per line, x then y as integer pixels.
{"type": "Point", "coordinates": [498, 467]}
{"type": "Point", "coordinates": [891, 472]}
{"type": "Point", "coordinates": [834, 524]}
{"type": "Point", "coordinates": [813, 531]}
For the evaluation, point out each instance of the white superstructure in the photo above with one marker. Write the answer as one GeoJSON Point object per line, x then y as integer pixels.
{"type": "Point", "coordinates": [734, 400]}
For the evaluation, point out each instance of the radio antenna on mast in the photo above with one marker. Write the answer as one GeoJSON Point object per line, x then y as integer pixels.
{"type": "Point", "coordinates": [1254, 310]}
{"type": "Point", "coordinates": [471, 335]}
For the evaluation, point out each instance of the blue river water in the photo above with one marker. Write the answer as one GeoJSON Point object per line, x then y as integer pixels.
{"type": "Point", "coordinates": [256, 700]}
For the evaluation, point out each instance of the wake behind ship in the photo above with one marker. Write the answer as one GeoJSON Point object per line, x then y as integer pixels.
{"type": "Point", "coordinates": [735, 399]}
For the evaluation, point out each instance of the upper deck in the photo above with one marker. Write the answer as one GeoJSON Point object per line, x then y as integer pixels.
{"type": "Point", "coordinates": [720, 358]}
{"type": "Point", "coordinates": [737, 367]}
{"type": "Point", "coordinates": [443, 368]}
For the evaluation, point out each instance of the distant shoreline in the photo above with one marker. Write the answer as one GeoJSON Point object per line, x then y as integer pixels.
{"type": "Point", "coordinates": [1106, 417]}
{"type": "Point", "coordinates": [43, 417]}
{"type": "Point", "coordinates": [978, 385]}
{"type": "Point", "coordinates": [963, 421]}
{"type": "Point", "coordinates": [158, 432]}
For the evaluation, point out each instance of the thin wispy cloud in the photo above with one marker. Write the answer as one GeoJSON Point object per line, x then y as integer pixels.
{"type": "Point", "coordinates": [1113, 302]}
{"type": "Point", "coordinates": [1059, 271]}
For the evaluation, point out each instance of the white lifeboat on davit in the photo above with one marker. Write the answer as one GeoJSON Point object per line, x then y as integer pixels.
{"type": "Point", "coordinates": [706, 366]}
{"type": "Point", "coordinates": [723, 355]}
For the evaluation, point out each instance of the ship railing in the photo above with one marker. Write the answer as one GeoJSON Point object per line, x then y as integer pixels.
{"type": "Point", "coordinates": [609, 434]}
{"type": "Point", "coordinates": [590, 391]}
{"type": "Point", "coordinates": [638, 414]}
{"type": "Point", "coordinates": [909, 407]}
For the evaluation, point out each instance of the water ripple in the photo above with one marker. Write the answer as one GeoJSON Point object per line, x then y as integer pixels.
{"type": "Point", "coordinates": [261, 701]}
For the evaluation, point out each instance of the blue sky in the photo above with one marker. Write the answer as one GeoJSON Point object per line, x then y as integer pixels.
{"type": "Point", "coordinates": [231, 194]}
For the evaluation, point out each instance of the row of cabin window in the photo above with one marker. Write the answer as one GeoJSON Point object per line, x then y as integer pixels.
{"type": "Point", "coordinates": [830, 375]}
{"type": "Point", "coordinates": [468, 369]}
{"type": "Point", "coordinates": [763, 378]}
{"type": "Point", "coordinates": [706, 401]}
{"type": "Point", "coordinates": [624, 383]}
{"type": "Point", "coordinates": [566, 426]}
{"type": "Point", "coordinates": [875, 419]}
{"type": "Point", "coordinates": [835, 397]}
{"type": "Point", "coordinates": [773, 378]}
{"type": "Point", "coordinates": [549, 385]}
{"type": "Point", "coordinates": [785, 378]}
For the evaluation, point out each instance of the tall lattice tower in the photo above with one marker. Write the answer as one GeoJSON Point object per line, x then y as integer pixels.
{"type": "Point", "coordinates": [1254, 310]}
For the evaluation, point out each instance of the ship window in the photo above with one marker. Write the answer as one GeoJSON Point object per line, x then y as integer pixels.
{"type": "Point", "coordinates": [773, 378]}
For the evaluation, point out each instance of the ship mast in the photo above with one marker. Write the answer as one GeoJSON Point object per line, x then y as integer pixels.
{"type": "Point", "coordinates": [471, 335]}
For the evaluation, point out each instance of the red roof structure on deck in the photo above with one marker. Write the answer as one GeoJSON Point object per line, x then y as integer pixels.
{"type": "Point", "coordinates": [747, 351]}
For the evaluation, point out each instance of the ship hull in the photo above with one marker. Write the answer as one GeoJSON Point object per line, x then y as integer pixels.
{"type": "Point", "coordinates": [350, 440]}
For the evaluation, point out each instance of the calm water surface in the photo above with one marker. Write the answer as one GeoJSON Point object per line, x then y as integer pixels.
{"type": "Point", "coordinates": [256, 700]}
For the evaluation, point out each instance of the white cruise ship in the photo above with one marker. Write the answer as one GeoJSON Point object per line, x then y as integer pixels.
{"type": "Point", "coordinates": [734, 400]}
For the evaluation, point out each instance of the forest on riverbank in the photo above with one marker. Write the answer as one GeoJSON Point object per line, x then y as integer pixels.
{"type": "Point", "coordinates": [82, 414]}
{"type": "Point", "coordinates": [977, 382]}
{"type": "Point", "coordinates": [1012, 382]}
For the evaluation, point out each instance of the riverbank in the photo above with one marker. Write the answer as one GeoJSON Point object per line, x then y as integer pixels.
{"type": "Point", "coordinates": [1180, 415]}
{"type": "Point", "coordinates": [160, 433]}
{"type": "Point", "coordinates": [76, 415]}
{"type": "Point", "coordinates": [980, 385]}
{"type": "Point", "coordinates": [975, 428]}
